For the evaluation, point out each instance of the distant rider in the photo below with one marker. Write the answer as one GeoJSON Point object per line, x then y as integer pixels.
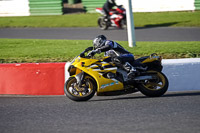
{"type": "Point", "coordinates": [120, 56]}
{"type": "Point", "coordinates": [108, 6]}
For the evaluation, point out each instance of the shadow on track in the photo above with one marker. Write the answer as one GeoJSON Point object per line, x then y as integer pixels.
{"type": "Point", "coordinates": [181, 94]}
{"type": "Point", "coordinates": [170, 94]}
{"type": "Point", "coordinates": [147, 26]}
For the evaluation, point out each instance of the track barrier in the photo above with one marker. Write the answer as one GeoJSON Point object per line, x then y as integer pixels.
{"type": "Point", "coordinates": [49, 78]}
{"type": "Point", "coordinates": [183, 74]}
{"type": "Point", "coordinates": [32, 78]}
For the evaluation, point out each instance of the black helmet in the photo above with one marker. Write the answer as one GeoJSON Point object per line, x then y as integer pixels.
{"type": "Point", "coordinates": [99, 41]}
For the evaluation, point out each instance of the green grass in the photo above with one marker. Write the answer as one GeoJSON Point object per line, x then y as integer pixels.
{"type": "Point", "coordinates": [183, 19]}
{"type": "Point", "coordinates": [175, 19]}
{"type": "Point", "coordinates": [35, 50]}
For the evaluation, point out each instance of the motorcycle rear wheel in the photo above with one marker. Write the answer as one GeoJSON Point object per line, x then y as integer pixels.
{"type": "Point", "coordinates": [83, 93]}
{"type": "Point", "coordinates": [102, 23]}
{"type": "Point", "coordinates": [155, 87]}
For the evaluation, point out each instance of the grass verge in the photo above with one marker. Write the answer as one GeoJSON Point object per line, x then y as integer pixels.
{"type": "Point", "coordinates": [35, 50]}
{"type": "Point", "coordinates": [154, 19]}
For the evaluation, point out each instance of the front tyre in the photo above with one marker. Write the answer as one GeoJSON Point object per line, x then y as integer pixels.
{"type": "Point", "coordinates": [83, 93]}
{"type": "Point", "coordinates": [154, 87]}
{"type": "Point", "coordinates": [102, 23]}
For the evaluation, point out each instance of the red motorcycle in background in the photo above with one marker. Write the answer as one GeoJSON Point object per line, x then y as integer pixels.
{"type": "Point", "coordinates": [117, 18]}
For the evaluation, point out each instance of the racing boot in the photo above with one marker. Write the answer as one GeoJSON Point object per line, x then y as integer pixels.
{"type": "Point", "coordinates": [141, 68]}
{"type": "Point", "coordinates": [107, 18]}
{"type": "Point", "coordinates": [132, 72]}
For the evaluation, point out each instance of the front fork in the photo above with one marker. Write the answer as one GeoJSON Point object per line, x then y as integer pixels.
{"type": "Point", "coordinates": [79, 78]}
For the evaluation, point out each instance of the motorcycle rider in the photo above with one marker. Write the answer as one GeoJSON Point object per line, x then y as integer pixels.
{"type": "Point", "coordinates": [120, 56]}
{"type": "Point", "coordinates": [108, 6]}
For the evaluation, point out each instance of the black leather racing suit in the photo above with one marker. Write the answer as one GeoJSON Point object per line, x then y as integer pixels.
{"type": "Point", "coordinates": [108, 5]}
{"type": "Point", "coordinates": [118, 54]}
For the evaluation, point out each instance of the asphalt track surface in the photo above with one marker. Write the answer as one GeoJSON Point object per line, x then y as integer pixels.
{"type": "Point", "coordinates": [142, 34]}
{"type": "Point", "coordinates": [175, 112]}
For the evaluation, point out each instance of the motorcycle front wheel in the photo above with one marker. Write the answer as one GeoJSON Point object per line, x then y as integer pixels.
{"type": "Point", "coordinates": [102, 23]}
{"type": "Point", "coordinates": [83, 93]}
{"type": "Point", "coordinates": [154, 87]}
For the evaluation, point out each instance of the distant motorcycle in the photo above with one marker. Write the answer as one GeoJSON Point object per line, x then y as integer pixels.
{"type": "Point", "coordinates": [88, 76]}
{"type": "Point", "coordinates": [117, 18]}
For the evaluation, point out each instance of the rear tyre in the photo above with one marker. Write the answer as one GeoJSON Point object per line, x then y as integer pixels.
{"type": "Point", "coordinates": [155, 87]}
{"type": "Point", "coordinates": [102, 23]}
{"type": "Point", "coordinates": [83, 93]}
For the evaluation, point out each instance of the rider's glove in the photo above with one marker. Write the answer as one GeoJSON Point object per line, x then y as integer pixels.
{"type": "Point", "coordinates": [93, 52]}
{"type": "Point", "coordinates": [98, 51]}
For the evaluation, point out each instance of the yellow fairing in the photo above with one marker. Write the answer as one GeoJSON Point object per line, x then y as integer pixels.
{"type": "Point", "coordinates": [103, 84]}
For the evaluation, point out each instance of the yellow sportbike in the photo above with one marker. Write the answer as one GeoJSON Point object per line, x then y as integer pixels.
{"type": "Point", "coordinates": [88, 76]}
